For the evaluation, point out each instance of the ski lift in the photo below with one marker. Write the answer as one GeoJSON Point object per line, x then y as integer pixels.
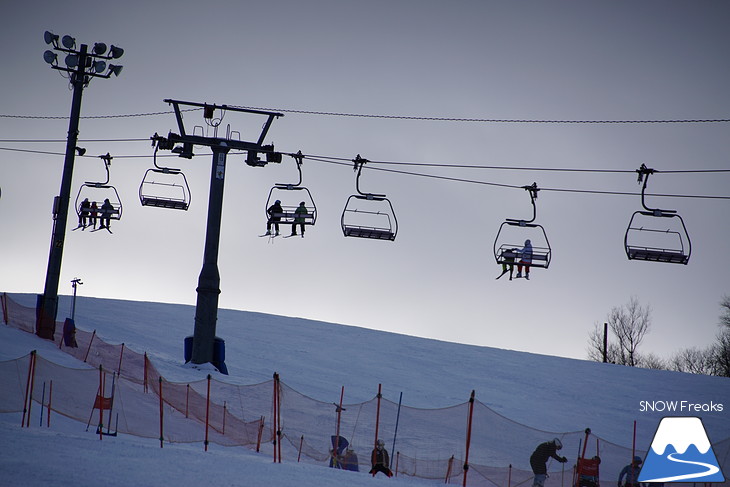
{"type": "Point", "coordinates": [647, 240]}
{"type": "Point", "coordinates": [99, 192]}
{"type": "Point", "coordinates": [164, 187]}
{"type": "Point", "coordinates": [368, 215]}
{"type": "Point", "coordinates": [291, 196]}
{"type": "Point", "coordinates": [513, 233]}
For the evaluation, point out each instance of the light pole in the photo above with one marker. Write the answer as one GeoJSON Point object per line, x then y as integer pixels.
{"type": "Point", "coordinates": [74, 283]}
{"type": "Point", "coordinates": [81, 67]}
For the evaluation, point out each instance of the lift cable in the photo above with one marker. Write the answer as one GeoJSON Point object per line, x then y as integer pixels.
{"type": "Point", "coordinates": [399, 163]}
{"type": "Point", "coordinates": [512, 186]}
{"type": "Point", "coordinates": [65, 117]}
{"type": "Point", "coordinates": [348, 162]}
{"type": "Point", "coordinates": [486, 120]}
{"type": "Point", "coordinates": [395, 117]}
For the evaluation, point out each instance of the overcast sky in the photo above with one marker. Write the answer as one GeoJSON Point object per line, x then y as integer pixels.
{"type": "Point", "coordinates": [527, 60]}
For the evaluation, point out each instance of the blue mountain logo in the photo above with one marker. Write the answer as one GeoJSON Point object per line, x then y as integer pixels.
{"type": "Point", "coordinates": [681, 452]}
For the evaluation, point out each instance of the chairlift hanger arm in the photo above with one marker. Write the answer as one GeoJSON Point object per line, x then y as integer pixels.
{"type": "Point", "coordinates": [107, 158]}
{"type": "Point", "coordinates": [298, 159]}
{"type": "Point", "coordinates": [532, 189]}
{"type": "Point", "coordinates": [359, 162]}
{"type": "Point", "coordinates": [644, 173]}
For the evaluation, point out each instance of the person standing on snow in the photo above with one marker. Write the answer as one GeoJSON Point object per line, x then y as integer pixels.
{"type": "Point", "coordinates": [380, 460]}
{"type": "Point", "coordinates": [526, 260]}
{"type": "Point", "coordinates": [631, 472]}
{"type": "Point", "coordinates": [539, 458]}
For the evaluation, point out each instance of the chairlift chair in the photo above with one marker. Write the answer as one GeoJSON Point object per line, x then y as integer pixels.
{"type": "Point", "coordinates": [647, 240]}
{"type": "Point", "coordinates": [164, 187]}
{"type": "Point", "coordinates": [98, 192]}
{"type": "Point", "coordinates": [508, 252]}
{"type": "Point", "coordinates": [368, 215]}
{"type": "Point", "coordinates": [291, 195]}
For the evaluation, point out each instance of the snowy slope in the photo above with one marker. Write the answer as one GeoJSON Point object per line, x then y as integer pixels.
{"type": "Point", "coordinates": [317, 359]}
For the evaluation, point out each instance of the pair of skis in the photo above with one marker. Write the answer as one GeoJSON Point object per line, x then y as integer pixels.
{"type": "Point", "coordinates": [274, 235]}
{"type": "Point", "coordinates": [83, 227]}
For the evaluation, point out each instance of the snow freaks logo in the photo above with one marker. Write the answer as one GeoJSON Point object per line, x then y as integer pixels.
{"type": "Point", "coordinates": [681, 452]}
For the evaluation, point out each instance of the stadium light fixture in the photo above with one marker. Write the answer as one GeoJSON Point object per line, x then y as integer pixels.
{"type": "Point", "coordinates": [72, 60]}
{"type": "Point", "coordinates": [68, 42]}
{"type": "Point", "coordinates": [116, 52]}
{"type": "Point", "coordinates": [50, 57]}
{"type": "Point", "coordinates": [51, 38]}
{"type": "Point", "coordinates": [115, 69]}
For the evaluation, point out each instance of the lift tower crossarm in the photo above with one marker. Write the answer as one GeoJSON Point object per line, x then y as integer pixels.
{"type": "Point", "coordinates": [210, 141]}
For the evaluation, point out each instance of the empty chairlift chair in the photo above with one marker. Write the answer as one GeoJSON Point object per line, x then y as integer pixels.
{"type": "Point", "coordinates": [291, 197]}
{"type": "Point", "coordinates": [368, 215]}
{"type": "Point", "coordinates": [656, 235]}
{"type": "Point", "coordinates": [513, 233]}
{"type": "Point", "coordinates": [98, 192]}
{"type": "Point", "coordinates": [164, 187]}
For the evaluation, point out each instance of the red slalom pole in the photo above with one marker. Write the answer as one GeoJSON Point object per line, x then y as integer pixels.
{"type": "Point", "coordinates": [468, 436]}
{"type": "Point", "coordinates": [377, 415]}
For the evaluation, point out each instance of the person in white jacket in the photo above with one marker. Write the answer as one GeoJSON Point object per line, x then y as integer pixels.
{"type": "Point", "coordinates": [525, 259]}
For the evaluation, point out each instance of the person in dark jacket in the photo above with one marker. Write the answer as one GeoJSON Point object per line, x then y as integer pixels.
{"type": "Point", "coordinates": [84, 210]}
{"type": "Point", "coordinates": [380, 460]}
{"type": "Point", "coordinates": [299, 218]}
{"type": "Point", "coordinates": [106, 214]}
{"type": "Point", "coordinates": [631, 472]}
{"type": "Point", "coordinates": [274, 211]}
{"type": "Point", "coordinates": [540, 457]}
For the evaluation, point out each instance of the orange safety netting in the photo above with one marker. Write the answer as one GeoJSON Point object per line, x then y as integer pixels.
{"type": "Point", "coordinates": [430, 443]}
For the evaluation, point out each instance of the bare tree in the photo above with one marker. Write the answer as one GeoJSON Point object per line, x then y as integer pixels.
{"type": "Point", "coordinates": [721, 349]}
{"type": "Point", "coordinates": [725, 316]}
{"type": "Point", "coordinates": [713, 360]}
{"type": "Point", "coordinates": [629, 323]}
{"type": "Point", "coordinates": [651, 361]}
{"type": "Point", "coordinates": [694, 361]}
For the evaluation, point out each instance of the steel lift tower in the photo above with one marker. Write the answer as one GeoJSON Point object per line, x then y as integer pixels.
{"type": "Point", "coordinates": [206, 311]}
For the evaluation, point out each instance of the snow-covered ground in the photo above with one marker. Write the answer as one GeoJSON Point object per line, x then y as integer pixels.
{"type": "Point", "coordinates": [318, 359]}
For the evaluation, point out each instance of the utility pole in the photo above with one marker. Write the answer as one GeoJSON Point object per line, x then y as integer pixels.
{"type": "Point", "coordinates": [206, 310]}
{"type": "Point", "coordinates": [81, 66]}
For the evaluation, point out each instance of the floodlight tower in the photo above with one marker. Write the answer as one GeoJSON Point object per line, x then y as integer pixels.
{"type": "Point", "coordinates": [81, 67]}
{"type": "Point", "coordinates": [206, 310]}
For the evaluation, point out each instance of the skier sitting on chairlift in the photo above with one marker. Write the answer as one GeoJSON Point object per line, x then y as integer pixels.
{"type": "Point", "coordinates": [274, 211]}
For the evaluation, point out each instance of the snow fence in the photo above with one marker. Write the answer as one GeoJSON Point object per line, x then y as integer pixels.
{"type": "Point", "coordinates": [120, 391]}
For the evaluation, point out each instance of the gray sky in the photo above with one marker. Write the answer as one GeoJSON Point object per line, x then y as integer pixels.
{"type": "Point", "coordinates": [621, 60]}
